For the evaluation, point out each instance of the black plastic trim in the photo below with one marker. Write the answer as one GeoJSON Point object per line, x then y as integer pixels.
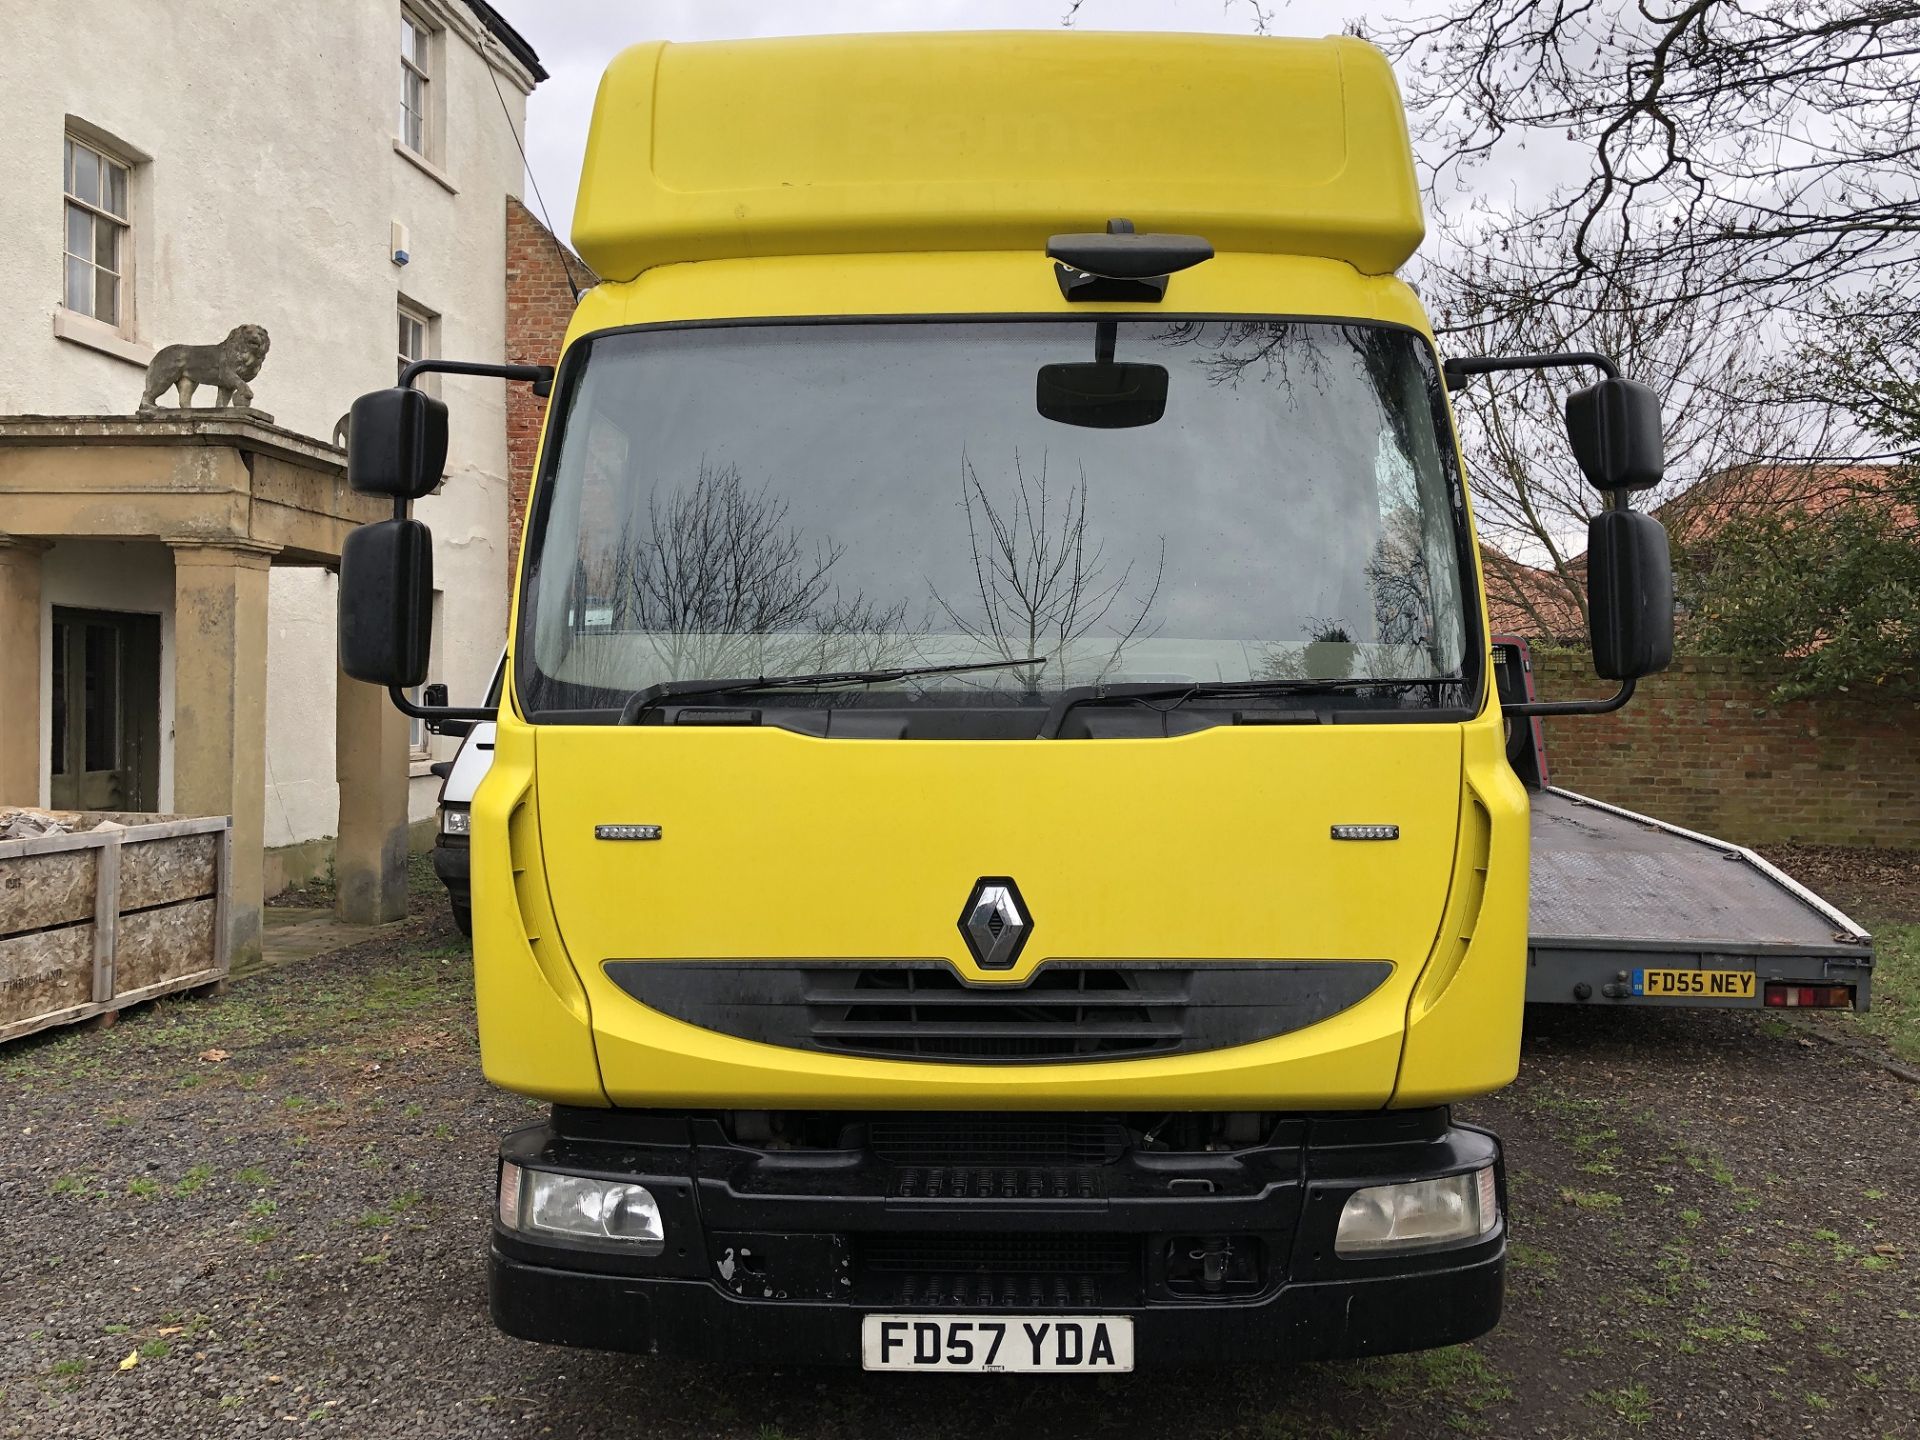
{"type": "Point", "coordinates": [875, 1008]}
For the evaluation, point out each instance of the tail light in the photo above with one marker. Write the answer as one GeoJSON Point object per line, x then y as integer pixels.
{"type": "Point", "coordinates": [1810, 997]}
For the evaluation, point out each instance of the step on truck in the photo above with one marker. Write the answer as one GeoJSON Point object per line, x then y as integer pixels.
{"type": "Point", "coordinates": [1000, 850]}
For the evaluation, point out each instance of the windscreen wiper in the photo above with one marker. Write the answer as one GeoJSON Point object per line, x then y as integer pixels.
{"type": "Point", "coordinates": [642, 701]}
{"type": "Point", "coordinates": [1181, 691]}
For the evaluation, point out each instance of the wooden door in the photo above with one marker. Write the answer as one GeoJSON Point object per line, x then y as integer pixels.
{"type": "Point", "coordinates": [105, 751]}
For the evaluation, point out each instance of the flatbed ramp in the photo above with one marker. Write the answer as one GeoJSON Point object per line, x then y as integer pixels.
{"type": "Point", "coordinates": [1628, 909]}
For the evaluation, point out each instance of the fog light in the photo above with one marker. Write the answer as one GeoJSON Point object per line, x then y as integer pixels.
{"type": "Point", "coordinates": [541, 1202]}
{"type": "Point", "coordinates": [456, 821]}
{"type": "Point", "coordinates": [1418, 1213]}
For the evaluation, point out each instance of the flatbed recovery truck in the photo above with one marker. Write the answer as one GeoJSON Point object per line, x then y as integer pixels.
{"type": "Point", "coordinates": [1000, 850]}
{"type": "Point", "coordinates": [1626, 909]}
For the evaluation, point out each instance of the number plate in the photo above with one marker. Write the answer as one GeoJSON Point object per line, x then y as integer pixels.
{"type": "Point", "coordinates": [1019, 1344]}
{"type": "Point", "coordinates": [1693, 984]}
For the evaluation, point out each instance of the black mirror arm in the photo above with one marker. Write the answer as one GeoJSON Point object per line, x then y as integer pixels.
{"type": "Point", "coordinates": [1461, 369]}
{"type": "Point", "coordinates": [539, 376]}
{"type": "Point", "coordinates": [433, 714]}
{"type": "Point", "coordinates": [1573, 707]}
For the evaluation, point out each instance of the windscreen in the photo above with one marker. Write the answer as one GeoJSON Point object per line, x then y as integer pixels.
{"type": "Point", "coordinates": [776, 499]}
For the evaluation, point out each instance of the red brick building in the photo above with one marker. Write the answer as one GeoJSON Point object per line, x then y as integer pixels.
{"type": "Point", "coordinates": [539, 305]}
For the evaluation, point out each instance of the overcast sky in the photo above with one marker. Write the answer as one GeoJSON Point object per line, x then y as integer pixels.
{"type": "Point", "coordinates": [576, 39]}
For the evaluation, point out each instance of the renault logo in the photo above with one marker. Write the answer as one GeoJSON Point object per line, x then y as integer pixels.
{"type": "Point", "coordinates": [995, 923]}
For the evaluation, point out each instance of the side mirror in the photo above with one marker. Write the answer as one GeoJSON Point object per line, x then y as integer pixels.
{"type": "Point", "coordinates": [396, 443]}
{"type": "Point", "coordinates": [386, 602]}
{"type": "Point", "coordinates": [1615, 430]}
{"type": "Point", "coordinates": [1629, 595]}
{"type": "Point", "coordinates": [1103, 394]}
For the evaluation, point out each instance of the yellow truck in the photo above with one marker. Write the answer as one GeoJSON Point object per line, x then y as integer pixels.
{"type": "Point", "coordinates": [1000, 849]}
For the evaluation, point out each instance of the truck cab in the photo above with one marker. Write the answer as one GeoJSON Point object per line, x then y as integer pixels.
{"type": "Point", "coordinates": [1000, 849]}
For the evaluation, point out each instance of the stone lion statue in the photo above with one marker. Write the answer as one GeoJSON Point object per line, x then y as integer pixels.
{"type": "Point", "coordinates": [227, 367]}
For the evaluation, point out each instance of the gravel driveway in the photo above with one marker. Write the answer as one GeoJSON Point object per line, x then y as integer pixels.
{"type": "Point", "coordinates": [266, 1214]}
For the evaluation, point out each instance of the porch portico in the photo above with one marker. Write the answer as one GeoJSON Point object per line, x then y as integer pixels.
{"type": "Point", "coordinates": [215, 497]}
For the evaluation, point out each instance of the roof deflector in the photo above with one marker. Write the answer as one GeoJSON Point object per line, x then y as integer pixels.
{"type": "Point", "coordinates": [1122, 265]}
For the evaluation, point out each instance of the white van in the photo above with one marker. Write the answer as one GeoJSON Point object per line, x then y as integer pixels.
{"type": "Point", "coordinates": [459, 778]}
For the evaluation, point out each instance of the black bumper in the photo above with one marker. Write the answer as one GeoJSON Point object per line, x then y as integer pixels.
{"type": "Point", "coordinates": [691, 1319]}
{"type": "Point", "coordinates": [775, 1257]}
{"type": "Point", "coordinates": [453, 863]}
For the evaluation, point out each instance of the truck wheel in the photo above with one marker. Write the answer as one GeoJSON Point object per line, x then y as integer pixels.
{"type": "Point", "coordinates": [462, 917]}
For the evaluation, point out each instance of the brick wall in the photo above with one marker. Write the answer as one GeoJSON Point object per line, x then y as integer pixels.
{"type": "Point", "coordinates": [539, 305]}
{"type": "Point", "coordinates": [1702, 746]}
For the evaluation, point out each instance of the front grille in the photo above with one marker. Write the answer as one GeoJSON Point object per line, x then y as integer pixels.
{"type": "Point", "coordinates": [1065, 1268]}
{"type": "Point", "coordinates": [1063, 1013]}
{"type": "Point", "coordinates": [971, 1140]}
{"type": "Point", "coordinates": [1068, 1010]}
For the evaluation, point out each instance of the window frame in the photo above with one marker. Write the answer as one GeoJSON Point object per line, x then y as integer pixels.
{"type": "Point", "coordinates": [413, 311]}
{"type": "Point", "coordinates": [419, 738]}
{"type": "Point", "coordinates": [416, 70]}
{"type": "Point", "coordinates": [73, 140]}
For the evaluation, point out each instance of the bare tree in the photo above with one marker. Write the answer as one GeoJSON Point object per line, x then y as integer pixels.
{"type": "Point", "coordinates": [717, 580]}
{"type": "Point", "coordinates": [1530, 499]}
{"type": "Point", "coordinates": [1765, 150]}
{"type": "Point", "coordinates": [1040, 576]}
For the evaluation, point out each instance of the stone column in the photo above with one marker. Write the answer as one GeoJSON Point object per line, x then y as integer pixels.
{"type": "Point", "coordinates": [220, 709]}
{"type": "Point", "coordinates": [370, 762]}
{"type": "Point", "coordinates": [20, 669]}
{"type": "Point", "coordinates": [20, 666]}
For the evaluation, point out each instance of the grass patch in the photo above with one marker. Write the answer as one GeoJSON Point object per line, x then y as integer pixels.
{"type": "Point", "coordinates": [1531, 1257]}
{"type": "Point", "coordinates": [1895, 1016]}
{"type": "Point", "coordinates": [190, 1182]}
{"type": "Point", "coordinates": [1591, 1199]}
{"type": "Point", "coordinates": [1633, 1404]}
{"type": "Point", "coordinates": [1742, 1328]}
{"type": "Point", "coordinates": [1459, 1375]}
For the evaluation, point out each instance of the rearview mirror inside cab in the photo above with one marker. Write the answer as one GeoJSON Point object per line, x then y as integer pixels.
{"type": "Point", "coordinates": [386, 602]}
{"type": "Point", "coordinates": [396, 443]}
{"type": "Point", "coordinates": [1615, 430]}
{"type": "Point", "coordinates": [1629, 595]}
{"type": "Point", "coordinates": [1102, 394]}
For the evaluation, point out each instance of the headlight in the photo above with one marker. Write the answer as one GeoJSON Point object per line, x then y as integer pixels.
{"type": "Point", "coordinates": [456, 821]}
{"type": "Point", "coordinates": [1419, 1213]}
{"type": "Point", "coordinates": [541, 1202]}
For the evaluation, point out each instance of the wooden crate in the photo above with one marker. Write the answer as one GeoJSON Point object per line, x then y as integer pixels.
{"type": "Point", "coordinates": [97, 920]}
